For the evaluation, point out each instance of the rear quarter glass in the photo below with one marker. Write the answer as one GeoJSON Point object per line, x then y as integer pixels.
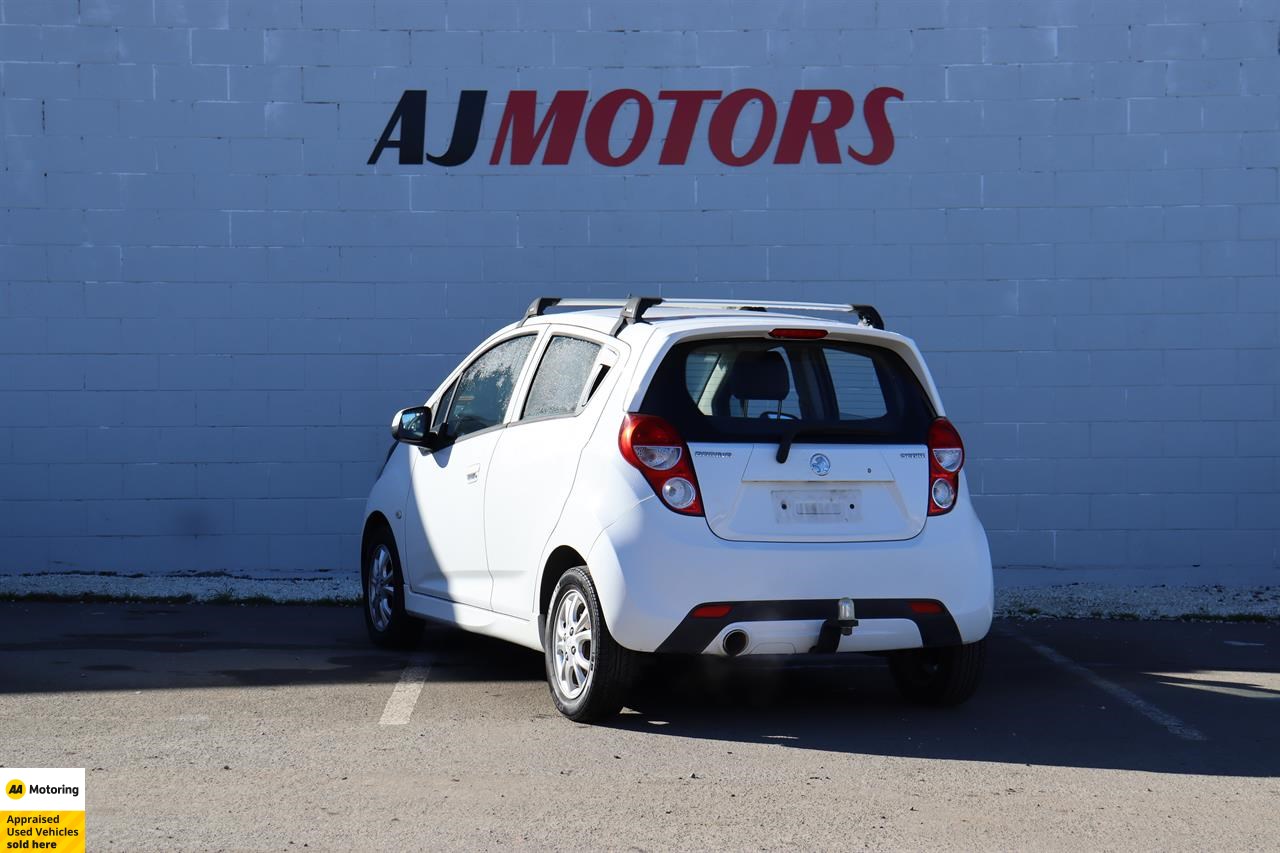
{"type": "Point", "coordinates": [755, 389]}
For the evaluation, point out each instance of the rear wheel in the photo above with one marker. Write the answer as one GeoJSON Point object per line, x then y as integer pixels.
{"type": "Point", "coordinates": [939, 676]}
{"type": "Point", "coordinates": [389, 625]}
{"type": "Point", "coordinates": [588, 672]}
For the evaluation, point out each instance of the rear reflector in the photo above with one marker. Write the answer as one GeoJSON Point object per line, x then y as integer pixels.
{"type": "Point", "coordinates": [926, 607]}
{"type": "Point", "coordinates": [710, 611]}
{"type": "Point", "coordinates": [798, 334]}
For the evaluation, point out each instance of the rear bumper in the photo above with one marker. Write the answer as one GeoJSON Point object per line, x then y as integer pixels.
{"type": "Point", "coordinates": [652, 567]}
{"type": "Point", "coordinates": [797, 626]}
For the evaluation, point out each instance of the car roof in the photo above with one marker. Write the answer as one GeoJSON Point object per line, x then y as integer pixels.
{"type": "Point", "coordinates": [665, 321]}
{"type": "Point", "coordinates": [662, 323]}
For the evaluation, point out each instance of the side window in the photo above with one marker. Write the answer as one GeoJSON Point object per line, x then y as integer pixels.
{"type": "Point", "coordinates": [856, 385]}
{"type": "Point", "coordinates": [483, 391]}
{"type": "Point", "coordinates": [562, 375]}
{"type": "Point", "coordinates": [701, 368]}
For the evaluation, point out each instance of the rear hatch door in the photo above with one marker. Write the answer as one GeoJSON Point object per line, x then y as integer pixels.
{"type": "Point", "coordinates": [863, 493]}
{"type": "Point", "coordinates": [799, 440]}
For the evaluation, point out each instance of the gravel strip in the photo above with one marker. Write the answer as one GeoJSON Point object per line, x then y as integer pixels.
{"type": "Point", "coordinates": [1070, 600]}
{"type": "Point", "coordinates": [1102, 601]}
{"type": "Point", "coordinates": [342, 589]}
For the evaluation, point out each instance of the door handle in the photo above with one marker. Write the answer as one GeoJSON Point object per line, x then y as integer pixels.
{"type": "Point", "coordinates": [473, 473]}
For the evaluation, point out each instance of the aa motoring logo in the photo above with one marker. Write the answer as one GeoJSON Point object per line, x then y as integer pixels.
{"type": "Point", "coordinates": [16, 789]}
{"type": "Point", "coordinates": [813, 117]}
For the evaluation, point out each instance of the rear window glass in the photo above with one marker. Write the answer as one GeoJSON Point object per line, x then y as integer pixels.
{"type": "Point", "coordinates": [749, 389]}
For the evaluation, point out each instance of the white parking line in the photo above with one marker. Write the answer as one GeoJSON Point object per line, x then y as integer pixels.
{"type": "Point", "coordinates": [1161, 718]}
{"type": "Point", "coordinates": [1246, 685]}
{"type": "Point", "coordinates": [405, 695]}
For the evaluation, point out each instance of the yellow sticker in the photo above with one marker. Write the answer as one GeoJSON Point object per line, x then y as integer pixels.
{"type": "Point", "coordinates": [48, 811]}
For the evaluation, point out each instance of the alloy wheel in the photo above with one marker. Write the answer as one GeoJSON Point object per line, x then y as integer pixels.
{"type": "Point", "coordinates": [381, 588]}
{"type": "Point", "coordinates": [573, 628]}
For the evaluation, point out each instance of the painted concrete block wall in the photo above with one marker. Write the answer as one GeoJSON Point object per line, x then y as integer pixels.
{"type": "Point", "coordinates": [210, 304]}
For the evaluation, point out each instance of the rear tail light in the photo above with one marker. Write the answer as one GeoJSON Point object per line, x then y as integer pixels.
{"type": "Point", "coordinates": [946, 458]}
{"type": "Point", "coordinates": [679, 493]}
{"type": "Point", "coordinates": [654, 447]}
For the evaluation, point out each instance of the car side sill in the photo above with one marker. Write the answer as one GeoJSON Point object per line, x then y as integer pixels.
{"type": "Point", "coordinates": [520, 631]}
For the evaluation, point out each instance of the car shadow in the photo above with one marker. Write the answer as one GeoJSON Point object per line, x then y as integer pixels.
{"type": "Point", "coordinates": [70, 647]}
{"type": "Point", "coordinates": [1218, 681]}
{"type": "Point", "coordinates": [1027, 710]}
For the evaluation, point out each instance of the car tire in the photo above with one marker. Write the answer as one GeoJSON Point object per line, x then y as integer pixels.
{"type": "Point", "coordinates": [390, 626]}
{"type": "Point", "coordinates": [941, 677]}
{"type": "Point", "coordinates": [588, 678]}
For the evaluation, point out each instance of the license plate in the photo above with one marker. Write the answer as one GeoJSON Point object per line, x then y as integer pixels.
{"type": "Point", "coordinates": [817, 506]}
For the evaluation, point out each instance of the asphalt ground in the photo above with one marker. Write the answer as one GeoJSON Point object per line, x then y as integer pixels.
{"type": "Point", "coordinates": [206, 727]}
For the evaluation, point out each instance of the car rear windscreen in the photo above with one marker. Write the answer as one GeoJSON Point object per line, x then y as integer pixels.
{"type": "Point", "coordinates": [759, 389]}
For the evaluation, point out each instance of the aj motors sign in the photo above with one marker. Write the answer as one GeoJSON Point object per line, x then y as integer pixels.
{"type": "Point", "coordinates": [814, 117]}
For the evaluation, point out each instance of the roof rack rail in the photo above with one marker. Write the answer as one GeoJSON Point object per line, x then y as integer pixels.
{"type": "Point", "coordinates": [633, 309]}
{"type": "Point", "coordinates": [539, 306]}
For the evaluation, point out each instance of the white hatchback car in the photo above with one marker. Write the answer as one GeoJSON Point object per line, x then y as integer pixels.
{"type": "Point", "coordinates": [685, 477]}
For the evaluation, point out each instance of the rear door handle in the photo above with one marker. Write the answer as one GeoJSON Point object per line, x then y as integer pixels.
{"type": "Point", "coordinates": [473, 473]}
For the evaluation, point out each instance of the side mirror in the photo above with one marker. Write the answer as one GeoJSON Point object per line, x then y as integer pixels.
{"type": "Point", "coordinates": [413, 426]}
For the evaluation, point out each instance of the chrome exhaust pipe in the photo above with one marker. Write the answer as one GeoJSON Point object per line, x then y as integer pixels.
{"type": "Point", "coordinates": [735, 642]}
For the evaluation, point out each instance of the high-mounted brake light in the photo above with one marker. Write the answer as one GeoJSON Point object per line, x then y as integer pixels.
{"type": "Point", "coordinates": [654, 447]}
{"type": "Point", "coordinates": [798, 334]}
{"type": "Point", "coordinates": [946, 458]}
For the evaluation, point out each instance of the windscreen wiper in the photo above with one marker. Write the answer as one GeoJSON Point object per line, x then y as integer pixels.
{"type": "Point", "coordinates": [789, 437]}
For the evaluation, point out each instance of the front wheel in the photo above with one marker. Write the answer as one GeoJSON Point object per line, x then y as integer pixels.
{"type": "Point", "coordinates": [588, 672]}
{"type": "Point", "coordinates": [939, 676]}
{"type": "Point", "coordinates": [389, 624]}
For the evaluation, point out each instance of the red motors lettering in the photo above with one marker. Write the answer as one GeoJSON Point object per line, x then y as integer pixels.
{"type": "Point", "coordinates": [814, 118]}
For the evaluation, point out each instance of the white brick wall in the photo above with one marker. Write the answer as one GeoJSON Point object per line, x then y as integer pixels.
{"type": "Point", "coordinates": [209, 304]}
